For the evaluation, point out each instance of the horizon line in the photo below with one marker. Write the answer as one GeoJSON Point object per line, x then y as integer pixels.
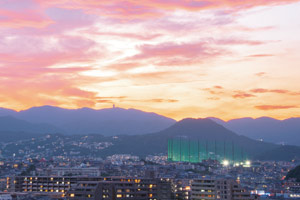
{"type": "Point", "coordinates": [116, 107]}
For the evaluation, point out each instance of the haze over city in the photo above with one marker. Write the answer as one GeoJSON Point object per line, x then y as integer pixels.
{"type": "Point", "coordinates": [227, 59]}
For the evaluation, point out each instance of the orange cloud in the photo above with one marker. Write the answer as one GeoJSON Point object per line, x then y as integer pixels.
{"type": "Point", "coordinates": [279, 91]}
{"type": "Point", "coordinates": [274, 107]}
{"type": "Point", "coordinates": [242, 95]}
{"type": "Point", "coordinates": [218, 87]}
{"type": "Point", "coordinates": [123, 66]}
{"type": "Point", "coordinates": [260, 74]}
{"type": "Point", "coordinates": [162, 100]}
{"type": "Point", "coordinates": [213, 91]}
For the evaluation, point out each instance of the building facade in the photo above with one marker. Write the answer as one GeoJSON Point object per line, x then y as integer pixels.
{"type": "Point", "coordinates": [76, 187]}
{"type": "Point", "coordinates": [224, 189]}
{"type": "Point", "coordinates": [123, 189]}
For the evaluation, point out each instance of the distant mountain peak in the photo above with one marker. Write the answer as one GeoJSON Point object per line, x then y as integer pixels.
{"type": "Point", "coordinates": [107, 121]}
{"type": "Point", "coordinates": [198, 121]}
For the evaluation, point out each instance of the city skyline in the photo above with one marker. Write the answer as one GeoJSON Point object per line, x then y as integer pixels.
{"type": "Point", "coordinates": [227, 59]}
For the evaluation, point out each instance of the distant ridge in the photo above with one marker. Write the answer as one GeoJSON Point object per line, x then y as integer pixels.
{"type": "Point", "coordinates": [268, 129]}
{"type": "Point", "coordinates": [119, 121]}
{"type": "Point", "coordinates": [11, 124]}
{"type": "Point", "coordinates": [12, 129]}
{"type": "Point", "coordinates": [109, 121]}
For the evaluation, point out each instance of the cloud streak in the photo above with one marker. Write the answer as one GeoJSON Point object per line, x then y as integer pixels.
{"type": "Point", "coordinates": [274, 107]}
{"type": "Point", "coordinates": [278, 91]}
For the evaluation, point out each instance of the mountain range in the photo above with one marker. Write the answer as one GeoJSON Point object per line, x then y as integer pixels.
{"type": "Point", "coordinates": [119, 121]}
{"type": "Point", "coordinates": [265, 128]}
{"type": "Point", "coordinates": [110, 121]}
{"type": "Point", "coordinates": [141, 133]}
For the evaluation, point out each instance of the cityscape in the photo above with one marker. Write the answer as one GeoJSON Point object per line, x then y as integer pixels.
{"type": "Point", "coordinates": [175, 165]}
{"type": "Point", "coordinates": [149, 100]}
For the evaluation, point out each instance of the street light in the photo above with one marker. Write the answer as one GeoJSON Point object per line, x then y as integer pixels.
{"type": "Point", "coordinates": [225, 163]}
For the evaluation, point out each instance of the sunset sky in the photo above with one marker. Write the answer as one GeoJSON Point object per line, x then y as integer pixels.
{"type": "Point", "coordinates": [178, 58]}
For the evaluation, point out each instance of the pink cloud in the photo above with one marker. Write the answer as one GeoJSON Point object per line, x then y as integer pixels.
{"type": "Point", "coordinates": [136, 36]}
{"type": "Point", "coordinates": [172, 49]}
{"type": "Point", "coordinates": [132, 9]}
{"type": "Point", "coordinates": [122, 10]}
{"type": "Point", "coordinates": [27, 69]}
{"type": "Point", "coordinates": [25, 18]}
{"type": "Point", "coordinates": [239, 42]}
{"type": "Point", "coordinates": [251, 29]}
{"type": "Point", "coordinates": [20, 14]}
{"type": "Point", "coordinates": [169, 54]}
{"type": "Point", "coordinates": [33, 55]}
{"type": "Point", "coordinates": [172, 54]}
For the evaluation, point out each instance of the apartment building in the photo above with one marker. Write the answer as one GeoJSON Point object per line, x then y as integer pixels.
{"type": "Point", "coordinates": [123, 189]}
{"type": "Point", "coordinates": [217, 188]}
{"type": "Point", "coordinates": [79, 187]}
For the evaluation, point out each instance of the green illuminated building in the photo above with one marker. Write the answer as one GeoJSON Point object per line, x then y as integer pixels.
{"type": "Point", "coordinates": [185, 150]}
